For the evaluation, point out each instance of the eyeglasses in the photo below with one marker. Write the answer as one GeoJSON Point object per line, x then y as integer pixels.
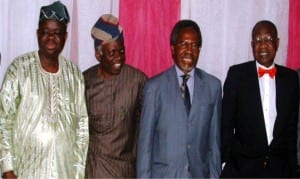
{"type": "Point", "coordinates": [268, 40]}
{"type": "Point", "coordinates": [187, 44]}
{"type": "Point", "coordinates": [47, 33]}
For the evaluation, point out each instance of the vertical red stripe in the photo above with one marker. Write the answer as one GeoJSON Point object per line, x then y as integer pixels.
{"type": "Point", "coordinates": [293, 57]}
{"type": "Point", "coordinates": [147, 27]}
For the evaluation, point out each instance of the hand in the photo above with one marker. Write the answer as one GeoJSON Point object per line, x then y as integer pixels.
{"type": "Point", "coordinates": [298, 171]}
{"type": "Point", "coordinates": [9, 175]}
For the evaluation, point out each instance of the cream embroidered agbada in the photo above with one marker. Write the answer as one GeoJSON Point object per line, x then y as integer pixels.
{"type": "Point", "coordinates": [43, 120]}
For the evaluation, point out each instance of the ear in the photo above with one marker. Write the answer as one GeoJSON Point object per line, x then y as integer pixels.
{"type": "Point", "coordinates": [277, 43]}
{"type": "Point", "coordinates": [172, 50]}
{"type": "Point", "coordinates": [66, 35]}
{"type": "Point", "coordinates": [98, 55]}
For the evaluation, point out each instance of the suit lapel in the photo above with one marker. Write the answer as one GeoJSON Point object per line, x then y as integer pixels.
{"type": "Point", "coordinates": [174, 90]}
{"type": "Point", "coordinates": [280, 87]}
{"type": "Point", "coordinates": [201, 93]}
{"type": "Point", "coordinates": [254, 88]}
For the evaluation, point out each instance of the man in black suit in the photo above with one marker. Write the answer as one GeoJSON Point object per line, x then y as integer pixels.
{"type": "Point", "coordinates": [260, 112]}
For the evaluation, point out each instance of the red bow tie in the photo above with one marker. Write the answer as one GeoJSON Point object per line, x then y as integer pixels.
{"type": "Point", "coordinates": [262, 71]}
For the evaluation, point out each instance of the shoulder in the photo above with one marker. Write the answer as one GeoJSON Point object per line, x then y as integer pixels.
{"type": "Point", "coordinates": [160, 83]}
{"type": "Point", "coordinates": [71, 69]}
{"type": "Point", "coordinates": [22, 63]}
{"type": "Point", "coordinates": [69, 63]}
{"type": "Point", "coordinates": [133, 72]}
{"type": "Point", "coordinates": [25, 58]}
{"type": "Point", "coordinates": [242, 70]}
{"type": "Point", "coordinates": [207, 77]}
{"type": "Point", "coordinates": [242, 66]}
{"type": "Point", "coordinates": [162, 77]}
{"type": "Point", "coordinates": [90, 75]}
{"type": "Point", "coordinates": [286, 72]}
{"type": "Point", "coordinates": [91, 70]}
{"type": "Point", "coordinates": [298, 71]}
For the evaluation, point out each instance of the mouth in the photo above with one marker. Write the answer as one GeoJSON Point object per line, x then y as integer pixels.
{"type": "Point", "coordinates": [51, 46]}
{"type": "Point", "coordinates": [187, 60]}
{"type": "Point", "coordinates": [263, 53]}
{"type": "Point", "coordinates": [117, 65]}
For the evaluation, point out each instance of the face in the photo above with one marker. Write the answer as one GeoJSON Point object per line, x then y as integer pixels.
{"type": "Point", "coordinates": [111, 57]}
{"type": "Point", "coordinates": [51, 38]}
{"type": "Point", "coordinates": [264, 45]}
{"type": "Point", "coordinates": [186, 50]}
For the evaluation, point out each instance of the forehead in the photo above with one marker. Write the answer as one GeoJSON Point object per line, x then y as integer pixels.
{"type": "Point", "coordinates": [186, 33]}
{"type": "Point", "coordinates": [264, 30]}
{"type": "Point", "coordinates": [49, 23]}
{"type": "Point", "coordinates": [113, 44]}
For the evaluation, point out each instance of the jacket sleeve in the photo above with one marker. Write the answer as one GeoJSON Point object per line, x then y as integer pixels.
{"type": "Point", "coordinates": [9, 100]}
{"type": "Point", "coordinates": [228, 113]}
{"type": "Point", "coordinates": [146, 134]}
{"type": "Point", "coordinates": [215, 136]}
{"type": "Point", "coordinates": [82, 133]}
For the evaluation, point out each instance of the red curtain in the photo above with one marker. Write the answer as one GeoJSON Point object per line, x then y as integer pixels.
{"type": "Point", "coordinates": [147, 27]}
{"type": "Point", "coordinates": [293, 56]}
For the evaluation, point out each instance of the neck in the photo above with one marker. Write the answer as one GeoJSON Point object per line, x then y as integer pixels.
{"type": "Point", "coordinates": [104, 75]}
{"type": "Point", "coordinates": [49, 64]}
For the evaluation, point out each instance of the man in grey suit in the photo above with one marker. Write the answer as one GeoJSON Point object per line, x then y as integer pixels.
{"type": "Point", "coordinates": [180, 124]}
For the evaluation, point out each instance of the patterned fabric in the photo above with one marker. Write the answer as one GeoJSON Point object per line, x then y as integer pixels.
{"type": "Point", "coordinates": [106, 29]}
{"type": "Point", "coordinates": [114, 111]}
{"type": "Point", "coordinates": [43, 120]}
{"type": "Point", "coordinates": [55, 11]}
{"type": "Point", "coordinates": [185, 92]}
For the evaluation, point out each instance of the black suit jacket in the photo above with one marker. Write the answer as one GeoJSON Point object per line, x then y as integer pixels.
{"type": "Point", "coordinates": [245, 147]}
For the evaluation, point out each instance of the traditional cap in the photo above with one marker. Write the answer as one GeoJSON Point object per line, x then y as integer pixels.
{"type": "Point", "coordinates": [55, 11]}
{"type": "Point", "coordinates": [106, 29]}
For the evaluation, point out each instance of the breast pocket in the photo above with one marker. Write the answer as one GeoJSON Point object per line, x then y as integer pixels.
{"type": "Point", "coordinates": [101, 123]}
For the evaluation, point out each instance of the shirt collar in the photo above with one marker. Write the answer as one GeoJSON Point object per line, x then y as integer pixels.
{"type": "Point", "coordinates": [180, 73]}
{"type": "Point", "coordinates": [267, 68]}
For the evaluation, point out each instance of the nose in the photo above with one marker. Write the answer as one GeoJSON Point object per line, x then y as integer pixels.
{"type": "Point", "coordinates": [189, 49]}
{"type": "Point", "coordinates": [117, 54]}
{"type": "Point", "coordinates": [263, 44]}
{"type": "Point", "coordinates": [51, 36]}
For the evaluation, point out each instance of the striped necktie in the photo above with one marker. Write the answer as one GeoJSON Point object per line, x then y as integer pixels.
{"type": "Point", "coordinates": [185, 92]}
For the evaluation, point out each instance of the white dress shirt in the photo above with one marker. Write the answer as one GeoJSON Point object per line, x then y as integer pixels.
{"type": "Point", "coordinates": [267, 89]}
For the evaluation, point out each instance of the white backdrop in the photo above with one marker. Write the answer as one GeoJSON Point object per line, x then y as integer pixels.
{"type": "Point", "coordinates": [225, 24]}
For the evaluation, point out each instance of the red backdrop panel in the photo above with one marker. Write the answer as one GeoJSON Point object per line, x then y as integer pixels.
{"type": "Point", "coordinates": [293, 57]}
{"type": "Point", "coordinates": [147, 27]}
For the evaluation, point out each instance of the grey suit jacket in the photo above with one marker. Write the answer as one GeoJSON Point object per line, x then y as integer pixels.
{"type": "Point", "coordinates": [172, 143]}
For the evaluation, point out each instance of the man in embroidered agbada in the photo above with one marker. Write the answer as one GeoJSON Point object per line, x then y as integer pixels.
{"type": "Point", "coordinates": [113, 95]}
{"type": "Point", "coordinates": [260, 113]}
{"type": "Point", "coordinates": [43, 116]}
